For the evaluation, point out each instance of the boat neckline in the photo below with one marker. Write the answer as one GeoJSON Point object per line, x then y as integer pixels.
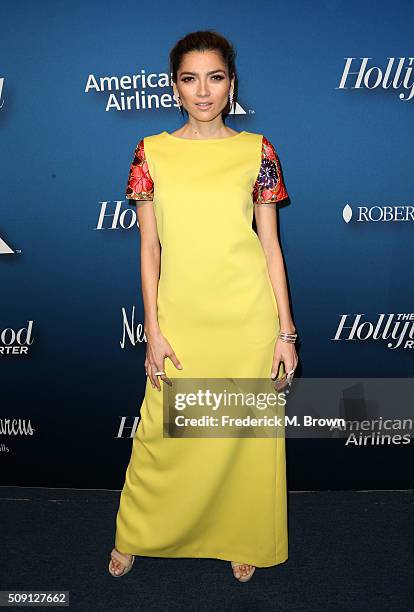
{"type": "Point", "coordinates": [204, 139]}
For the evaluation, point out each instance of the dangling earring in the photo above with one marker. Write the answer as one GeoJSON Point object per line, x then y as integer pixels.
{"type": "Point", "coordinates": [231, 98]}
{"type": "Point", "coordinates": [178, 102]}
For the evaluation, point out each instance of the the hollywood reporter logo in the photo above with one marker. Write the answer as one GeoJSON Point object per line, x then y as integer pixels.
{"type": "Point", "coordinates": [113, 216]}
{"type": "Point", "coordinates": [1, 92]}
{"type": "Point", "coordinates": [395, 75]}
{"type": "Point", "coordinates": [14, 342]}
{"type": "Point", "coordinates": [127, 427]}
{"type": "Point", "coordinates": [396, 329]}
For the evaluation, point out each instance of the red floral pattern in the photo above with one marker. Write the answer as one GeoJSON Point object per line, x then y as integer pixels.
{"type": "Point", "coordinates": [269, 186]}
{"type": "Point", "coordinates": [140, 184]}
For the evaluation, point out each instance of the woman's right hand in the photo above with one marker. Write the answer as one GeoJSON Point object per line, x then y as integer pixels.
{"type": "Point", "coordinates": [158, 348]}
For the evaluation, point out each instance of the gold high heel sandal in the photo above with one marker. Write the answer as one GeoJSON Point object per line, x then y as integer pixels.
{"type": "Point", "coordinates": [120, 557]}
{"type": "Point", "coordinates": [242, 578]}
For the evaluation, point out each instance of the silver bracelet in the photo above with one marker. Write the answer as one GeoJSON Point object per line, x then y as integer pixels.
{"type": "Point", "coordinates": [286, 337]}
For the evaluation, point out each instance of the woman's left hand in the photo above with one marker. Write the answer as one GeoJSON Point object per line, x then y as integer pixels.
{"type": "Point", "coordinates": [286, 352]}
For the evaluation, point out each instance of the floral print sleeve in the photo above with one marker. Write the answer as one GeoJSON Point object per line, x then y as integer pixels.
{"type": "Point", "coordinates": [269, 187]}
{"type": "Point", "coordinates": [140, 184]}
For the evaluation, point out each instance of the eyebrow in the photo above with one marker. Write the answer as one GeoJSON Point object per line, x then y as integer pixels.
{"type": "Point", "coordinates": [210, 72]}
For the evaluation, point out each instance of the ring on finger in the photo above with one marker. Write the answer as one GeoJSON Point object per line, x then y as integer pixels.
{"type": "Point", "coordinates": [289, 375]}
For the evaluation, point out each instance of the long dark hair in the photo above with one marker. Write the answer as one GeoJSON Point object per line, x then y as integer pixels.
{"type": "Point", "coordinates": [206, 40]}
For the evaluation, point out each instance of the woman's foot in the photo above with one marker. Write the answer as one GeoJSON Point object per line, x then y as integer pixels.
{"type": "Point", "coordinates": [242, 571]}
{"type": "Point", "coordinates": [120, 563]}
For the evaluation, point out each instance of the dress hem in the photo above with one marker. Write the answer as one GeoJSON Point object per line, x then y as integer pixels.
{"type": "Point", "coordinates": [221, 557]}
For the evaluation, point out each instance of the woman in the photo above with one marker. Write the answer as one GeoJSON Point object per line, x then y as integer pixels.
{"type": "Point", "coordinates": [216, 304]}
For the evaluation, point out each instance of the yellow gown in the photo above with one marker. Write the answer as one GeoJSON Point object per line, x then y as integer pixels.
{"type": "Point", "coordinates": [222, 498]}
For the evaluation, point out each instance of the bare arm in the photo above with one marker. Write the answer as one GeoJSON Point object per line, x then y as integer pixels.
{"type": "Point", "coordinates": [150, 264]}
{"type": "Point", "coordinates": [267, 230]}
{"type": "Point", "coordinates": [158, 346]}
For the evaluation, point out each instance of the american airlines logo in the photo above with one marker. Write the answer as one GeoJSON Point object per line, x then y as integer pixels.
{"type": "Point", "coordinates": [136, 92]}
{"type": "Point", "coordinates": [397, 330]}
{"type": "Point", "coordinates": [378, 213]}
{"type": "Point", "coordinates": [358, 74]}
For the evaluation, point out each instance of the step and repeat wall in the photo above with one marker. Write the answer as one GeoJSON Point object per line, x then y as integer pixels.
{"type": "Point", "coordinates": [331, 85]}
